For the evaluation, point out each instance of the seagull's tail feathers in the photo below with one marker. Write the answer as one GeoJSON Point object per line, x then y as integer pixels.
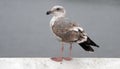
{"type": "Point", "coordinates": [87, 45]}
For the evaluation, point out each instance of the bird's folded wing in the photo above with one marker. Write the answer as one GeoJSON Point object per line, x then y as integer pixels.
{"type": "Point", "coordinates": [67, 30]}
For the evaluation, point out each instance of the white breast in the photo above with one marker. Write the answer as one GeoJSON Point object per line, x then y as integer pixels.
{"type": "Point", "coordinates": [52, 21]}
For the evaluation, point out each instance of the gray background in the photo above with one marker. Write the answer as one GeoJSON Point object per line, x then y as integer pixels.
{"type": "Point", "coordinates": [25, 30]}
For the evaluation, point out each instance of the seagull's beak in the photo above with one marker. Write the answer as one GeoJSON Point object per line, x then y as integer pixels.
{"type": "Point", "coordinates": [48, 12]}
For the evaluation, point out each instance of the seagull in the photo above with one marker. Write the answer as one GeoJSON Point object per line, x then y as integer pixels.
{"type": "Point", "coordinates": [68, 31]}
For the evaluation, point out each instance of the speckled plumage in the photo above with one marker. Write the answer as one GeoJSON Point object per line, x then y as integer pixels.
{"type": "Point", "coordinates": [63, 28]}
{"type": "Point", "coordinates": [68, 31]}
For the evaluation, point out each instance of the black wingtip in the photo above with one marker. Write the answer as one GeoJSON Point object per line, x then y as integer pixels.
{"type": "Point", "coordinates": [97, 46]}
{"type": "Point", "coordinates": [86, 47]}
{"type": "Point", "coordinates": [90, 42]}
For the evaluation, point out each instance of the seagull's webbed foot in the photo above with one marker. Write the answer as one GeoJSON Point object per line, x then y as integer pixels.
{"type": "Point", "coordinates": [67, 58]}
{"type": "Point", "coordinates": [57, 59]}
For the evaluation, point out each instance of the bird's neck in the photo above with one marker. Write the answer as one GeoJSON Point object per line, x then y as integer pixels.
{"type": "Point", "coordinates": [54, 18]}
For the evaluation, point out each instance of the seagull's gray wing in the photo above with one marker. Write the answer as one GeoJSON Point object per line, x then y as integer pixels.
{"type": "Point", "coordinates": [67, 30]}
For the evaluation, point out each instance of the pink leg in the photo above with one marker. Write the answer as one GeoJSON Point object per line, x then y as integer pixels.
{"type": "Point", "coordinates": [59, 59]}
{"type": "Point", "coordinates": [70, 54]}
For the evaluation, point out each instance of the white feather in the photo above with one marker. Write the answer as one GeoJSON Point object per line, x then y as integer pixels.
{"type": "Point", "coordinates": [52, 21]}
{"type": "Point", "coordinates": [77, 29]}
{"type": "Point", "coordinates": [83, 40]}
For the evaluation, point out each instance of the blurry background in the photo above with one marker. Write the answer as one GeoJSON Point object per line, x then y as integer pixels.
{"type": "Point", "coordinates": [25, 30]}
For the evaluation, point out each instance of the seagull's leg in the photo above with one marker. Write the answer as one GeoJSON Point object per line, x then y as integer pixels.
{"type": "Point", "coordinates": [62, 49]}
{"type": "Point", "coordinates": [70, 54]}
{"type": "Point", "coordinates": [70, 50]}
{"type": "Point", "coordinates": [59, 59]}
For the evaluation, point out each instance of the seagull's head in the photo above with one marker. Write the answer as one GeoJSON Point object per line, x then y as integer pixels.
{"type": "Point", "coordinates": [57, 11]}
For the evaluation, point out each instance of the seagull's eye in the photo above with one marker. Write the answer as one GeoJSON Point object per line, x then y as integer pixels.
{"type": "Point", "coordinates": [58, 9]}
